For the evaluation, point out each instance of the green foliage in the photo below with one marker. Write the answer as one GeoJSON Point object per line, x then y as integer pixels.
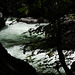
{"type": "Point", "coordinates": [24, 9]}
{"type": "Point", "coordinates": [10, 7]}
{"type": "Point", "coordinates": [49, 8]}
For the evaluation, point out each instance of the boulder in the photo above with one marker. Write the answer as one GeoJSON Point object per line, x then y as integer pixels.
{"type": "Point", "coordinates": [28, 20]}
{"type": "Point", "coordinates": [31, 20]}
{"type": "Point", "coordinates": [12, 66]}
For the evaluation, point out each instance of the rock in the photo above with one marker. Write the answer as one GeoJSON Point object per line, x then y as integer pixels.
{"type": "Point", "coordinates": [11, 21]}
{"type": "Point", "coordinates": [42, 20]}
{"type": "Point", "coordinates": [28, 20]}
{"type": "Point", "coordinates": [12, 66]}
{"type": "Point", "coordinates": [31, 20]}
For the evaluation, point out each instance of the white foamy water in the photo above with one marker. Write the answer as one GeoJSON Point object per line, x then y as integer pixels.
{"type": "Point", "coordinates": [15, 30]}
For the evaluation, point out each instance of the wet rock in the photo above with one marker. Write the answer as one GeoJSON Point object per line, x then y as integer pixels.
{"type": "Point", "coordinates": [31, 20]}
{"type": "Point", "coordinates": [42, 20]}
{"type": "Point", "coordinates": [28, 20]}
{"type": "Point", "coordinates": [12, 66]}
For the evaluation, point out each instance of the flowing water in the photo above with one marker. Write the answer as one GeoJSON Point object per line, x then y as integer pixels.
{"type": "Point", "coordinates": [12, 38]}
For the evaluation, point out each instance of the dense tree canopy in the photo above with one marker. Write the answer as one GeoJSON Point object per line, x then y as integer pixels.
{"type": "Point", "coordinates": [10, 7]}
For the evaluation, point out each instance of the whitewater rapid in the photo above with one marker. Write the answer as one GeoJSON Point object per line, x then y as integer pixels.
{"type": "Point", "coordinates": [11, 38]}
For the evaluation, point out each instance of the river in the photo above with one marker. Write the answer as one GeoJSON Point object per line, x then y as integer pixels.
{"type": "Point", "coordinates": [12, 38]}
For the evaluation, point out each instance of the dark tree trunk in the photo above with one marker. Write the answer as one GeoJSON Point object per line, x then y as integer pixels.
{"type": "Point", "coordinates": [62, 61]}
{"type": "Point", "coordinates": [60, 53]}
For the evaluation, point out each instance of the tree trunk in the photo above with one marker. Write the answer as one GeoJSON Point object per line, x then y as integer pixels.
{"type": "Point", "coordinates": [62, 61]}
{"type": "Point", "coordinates": [61, 55]}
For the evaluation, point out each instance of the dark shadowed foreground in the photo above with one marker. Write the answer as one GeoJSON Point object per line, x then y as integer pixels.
{"type": "Point", "coordinates": [73, 67]}
{"type": "Point", "coordinates": [11, 66]}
